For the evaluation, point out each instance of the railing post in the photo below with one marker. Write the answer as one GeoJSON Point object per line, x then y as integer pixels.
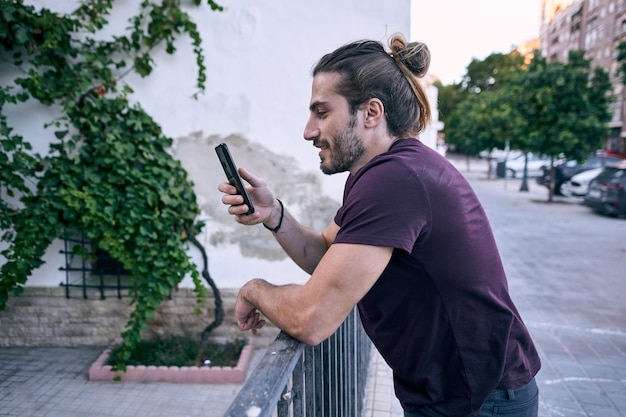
{"type": "Point", "coordinates": [327, 380]}
{"type": "Point", "coordinates": [297, 388]}
{"type": "Point", "coordinates": [262, 390]}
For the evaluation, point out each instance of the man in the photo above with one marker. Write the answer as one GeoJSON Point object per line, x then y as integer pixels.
{"type": "Point", "coordinates": [411, 246]}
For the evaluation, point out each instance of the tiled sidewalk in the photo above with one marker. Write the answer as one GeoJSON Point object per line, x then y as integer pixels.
{"type": "Point", "coordinates": [381, 400]}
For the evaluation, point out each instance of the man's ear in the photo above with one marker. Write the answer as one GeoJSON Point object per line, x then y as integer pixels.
{"type": "Point", "coordinates": [374, 112]}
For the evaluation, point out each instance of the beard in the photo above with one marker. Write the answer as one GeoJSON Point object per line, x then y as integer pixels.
{"type": "Point", "coordinates": [345, 149]}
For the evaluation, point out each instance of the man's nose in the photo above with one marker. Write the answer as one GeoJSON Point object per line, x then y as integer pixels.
{"type": "Point", "coordinates": [311, 131]}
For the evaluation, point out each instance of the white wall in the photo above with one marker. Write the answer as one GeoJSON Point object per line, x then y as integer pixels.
{"type": "Point", "coordinates": [259, 55]}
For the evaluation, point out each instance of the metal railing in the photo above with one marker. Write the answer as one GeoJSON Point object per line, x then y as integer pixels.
{"type": "Point", "coordinates": [293, 379]}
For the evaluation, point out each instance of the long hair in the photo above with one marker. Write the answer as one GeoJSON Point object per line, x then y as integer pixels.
{"type": "Point", "coordinates": [367, 71]}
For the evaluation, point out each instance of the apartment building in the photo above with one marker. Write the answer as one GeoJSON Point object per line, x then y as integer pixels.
{"type": "Point", "coordinates": [597, 27]}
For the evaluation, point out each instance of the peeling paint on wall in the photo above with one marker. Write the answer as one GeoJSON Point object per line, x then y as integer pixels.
{"type": "Point", "coordinates": [300, 191]}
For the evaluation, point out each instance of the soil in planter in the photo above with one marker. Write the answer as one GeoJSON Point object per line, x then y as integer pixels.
{"type": "Point", "coordinates": [182, 351]}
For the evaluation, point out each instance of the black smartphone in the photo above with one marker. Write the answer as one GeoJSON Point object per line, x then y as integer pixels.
{"type": "Point", "coordinates": [232, 174]}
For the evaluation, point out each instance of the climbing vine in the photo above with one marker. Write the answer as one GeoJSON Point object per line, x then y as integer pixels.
{"type": "Point", "coordinates": [108, 171]}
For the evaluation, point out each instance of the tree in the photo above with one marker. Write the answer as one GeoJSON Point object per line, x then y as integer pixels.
{"type": "Point", "coordinates": [482, 76]}
{"type": "Point", "coordinates": [565, 107]}
{"type": "Point", "coordinates": [493, 72]}
{"type": "Point", "coordinates": [108, 172]}
{"type": "Point", "coordinates": [484, 121]}
{"type": "Point", "coordinates": [449, 97]}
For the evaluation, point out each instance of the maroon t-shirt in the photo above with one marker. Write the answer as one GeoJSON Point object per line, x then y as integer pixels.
{"type": "Point", "coordinates": [440, 313]}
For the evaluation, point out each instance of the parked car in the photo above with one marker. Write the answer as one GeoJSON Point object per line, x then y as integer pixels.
{"type": "Point", "coordinates": [496, 153]}
{"type": "Point", "coordinates": [566, 170]}
{"type": "Point", "coordinates": [513, 167]}
{"type": "Point", "coordinates": [607, 192]}
{"type": "Point", "coordinates": [578, 185]}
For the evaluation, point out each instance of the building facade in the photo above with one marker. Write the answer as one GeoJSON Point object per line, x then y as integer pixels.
{"type": "Point", "coordinates": [256, 100]}
{"type": "Point", "coordinates": [596, 27]}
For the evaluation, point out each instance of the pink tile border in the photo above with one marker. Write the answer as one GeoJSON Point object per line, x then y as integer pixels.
{"type": "Point", "coordinates": [183, 374]}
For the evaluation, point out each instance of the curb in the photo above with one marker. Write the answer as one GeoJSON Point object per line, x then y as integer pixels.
{"type": "Point", "coordinates": [174, 374]}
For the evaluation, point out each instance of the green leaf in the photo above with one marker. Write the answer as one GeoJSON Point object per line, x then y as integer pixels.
{"type": "Point", "coordinates": [61, 134]}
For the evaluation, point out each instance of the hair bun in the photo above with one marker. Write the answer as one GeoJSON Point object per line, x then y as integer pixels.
{"type": "Point", "coordinates": [415, 56]}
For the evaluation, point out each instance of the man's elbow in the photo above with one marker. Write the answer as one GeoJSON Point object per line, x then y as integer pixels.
{"type": "Point", "coordinates": [311, 334]}
{"type": "Point", "coordinates": [311, 338]}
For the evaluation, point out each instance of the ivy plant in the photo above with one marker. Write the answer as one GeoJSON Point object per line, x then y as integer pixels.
{"type": "Point", "coordinates": [108, 172]}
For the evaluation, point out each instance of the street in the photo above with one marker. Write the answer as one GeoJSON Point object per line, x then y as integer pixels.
{"type": "Point", "coordinates": [567, 274]}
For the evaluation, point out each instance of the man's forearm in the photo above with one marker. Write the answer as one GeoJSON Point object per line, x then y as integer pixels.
{"type": "Point", "coordinates": [287, 307]}
{"type": "Point", "coordinates": [277, 303]}
{"type": "Point", "coordinates": [305, 246]}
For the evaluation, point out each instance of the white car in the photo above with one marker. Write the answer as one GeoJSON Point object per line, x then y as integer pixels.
{"type": "Point", "coordinates": [578, 185]}
{"type": "Point", "coordinates": [499, 154]}
{"type": "Point", "coordinates": [514, 166]}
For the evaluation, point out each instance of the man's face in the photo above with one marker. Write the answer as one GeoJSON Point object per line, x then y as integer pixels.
{"type": "Point", "coordinates": [332, 128]}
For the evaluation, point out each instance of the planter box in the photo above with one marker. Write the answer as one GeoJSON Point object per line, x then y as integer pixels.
{"type": "Point", "coordinates": [176, 374]}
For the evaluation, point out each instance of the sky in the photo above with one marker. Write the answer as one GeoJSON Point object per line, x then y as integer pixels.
{"type": "Point", "coordinates": [456, 31]}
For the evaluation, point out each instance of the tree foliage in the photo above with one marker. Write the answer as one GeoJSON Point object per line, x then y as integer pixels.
{"type": "Point", "coordinates": [486, 76]}
{"type": "Point", "coordinates": [565, 105]}
{"type": "Point", "coordinates": [108, 171]}
{"type": "Point", "coordinates": [485, 121]}
{"type": "Point", "coordinates": [449, 97]}
{"type": "Point", "coordinates": [493, 72]}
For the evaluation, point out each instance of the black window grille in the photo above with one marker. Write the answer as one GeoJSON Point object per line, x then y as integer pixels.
{"type": "Point", "coordinates": [91, 269]}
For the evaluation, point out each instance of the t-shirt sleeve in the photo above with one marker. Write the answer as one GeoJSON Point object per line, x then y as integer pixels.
{"type": "Point", "coordinates": [385, 206]}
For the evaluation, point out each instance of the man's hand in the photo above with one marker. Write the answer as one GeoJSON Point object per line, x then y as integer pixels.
{"type": "Point", "coordinates": [247, 315]}
{"type": "Point", "coordinates": [260, 194]}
